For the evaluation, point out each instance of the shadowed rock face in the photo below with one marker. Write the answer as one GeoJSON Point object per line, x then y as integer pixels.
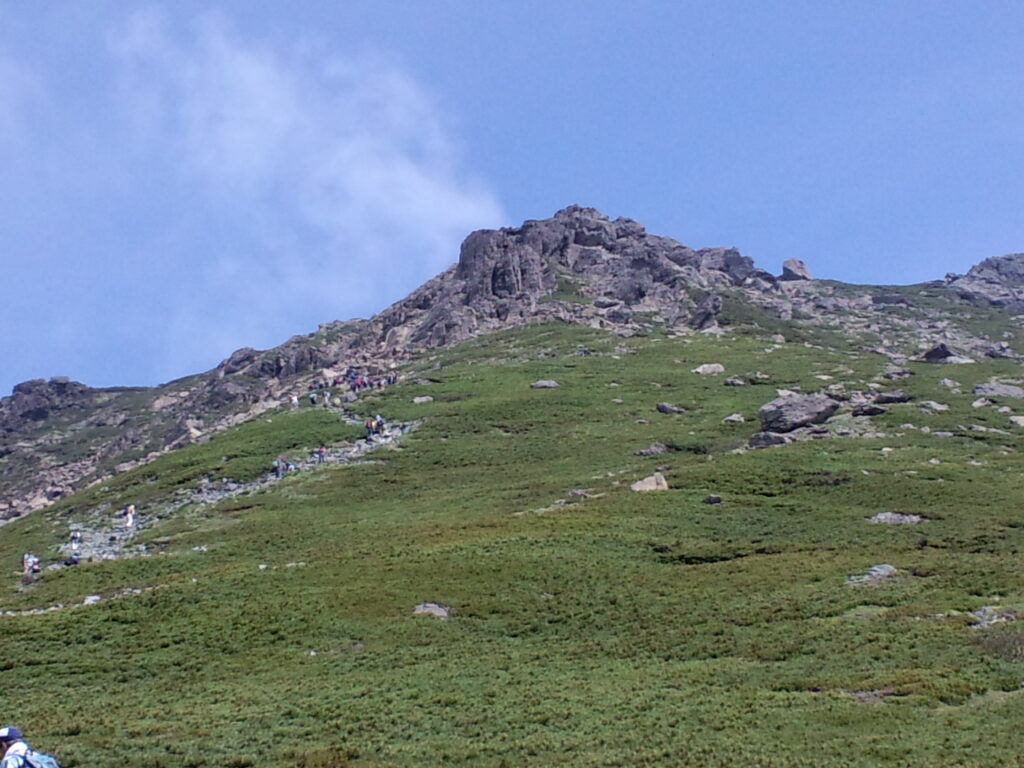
{"type": "Point", "coordinates": [36, 400]}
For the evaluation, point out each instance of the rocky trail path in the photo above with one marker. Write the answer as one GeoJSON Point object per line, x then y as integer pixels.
{"type": "Point", "coordinates": [98, 539]}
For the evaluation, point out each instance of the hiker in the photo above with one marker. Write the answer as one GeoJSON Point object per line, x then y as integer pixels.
{"type": "Point", "coordinates": [327, 398]}
{"type": "Point", "coordinates": [279, 467]}
{"type": "Point", "coordinates": [29, 564]}
{"type": "Point", "coordinates": [312, 398]}
{"type": "Point", "coordinates": [379, 424]}
{"type": "Point", "coordinates": [294, 402]}
{"type": "Point", "coordinates": [17, 753]}
{"type": "Point", "coordinates": [321, 454]}
{"type": "Point", "coordinates": [76, 540]}
{"type": "Point", "coordinates": [129, 514]}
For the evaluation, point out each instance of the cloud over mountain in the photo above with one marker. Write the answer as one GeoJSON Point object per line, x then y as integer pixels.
{"type": "Point", "coordinates": [332, 180]}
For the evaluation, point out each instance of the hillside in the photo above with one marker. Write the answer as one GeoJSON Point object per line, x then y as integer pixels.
{"type": "Point", "coordinates": [847, 597]}
{"type": "Point", "coordinates": [577, 267]}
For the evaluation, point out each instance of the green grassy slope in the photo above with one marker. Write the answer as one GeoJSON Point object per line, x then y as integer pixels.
{"type": "Point", "coordinates": [622, 629]}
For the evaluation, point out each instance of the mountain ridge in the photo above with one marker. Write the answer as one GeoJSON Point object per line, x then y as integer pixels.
{"type": "Point", "coordinates": [578, 266]}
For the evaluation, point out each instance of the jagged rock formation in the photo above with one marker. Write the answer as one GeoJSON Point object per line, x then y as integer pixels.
{"type": "Point", "coordinates": [795, 269]}
{"type": "Point", "coordinates": [999, 281]}
{"type": "Point", "coordinates": [578, 267]}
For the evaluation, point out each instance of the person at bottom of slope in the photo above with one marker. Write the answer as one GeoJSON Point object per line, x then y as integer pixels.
{"type": "Point", "coordinates": [17, 753]}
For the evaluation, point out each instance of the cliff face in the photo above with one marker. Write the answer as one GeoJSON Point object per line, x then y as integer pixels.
{"type": "Point", "coordinates": [578, 267]}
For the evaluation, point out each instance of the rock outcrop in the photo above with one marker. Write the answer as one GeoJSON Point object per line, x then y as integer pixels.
{"type": "Point", "coordinates": [795, 269]}
{"type": "Point", "coordinates": [999, 281]}
{"type": "Point", "coordinates": [788, 412]}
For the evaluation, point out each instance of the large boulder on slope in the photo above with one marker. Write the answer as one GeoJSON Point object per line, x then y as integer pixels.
{"type": "Point", "coordinates": [788, 412]}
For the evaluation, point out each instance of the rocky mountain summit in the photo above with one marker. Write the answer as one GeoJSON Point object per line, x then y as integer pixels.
{"type": "Point", "coordinates": [579, 267]}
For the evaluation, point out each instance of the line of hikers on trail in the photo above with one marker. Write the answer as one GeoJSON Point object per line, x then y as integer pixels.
{"type": "Point", "coordinates": [319, 391]}
{"type": "Point", "coordinates": [282, 465]}
{"type": "Point", "coordinates": [31, 565]}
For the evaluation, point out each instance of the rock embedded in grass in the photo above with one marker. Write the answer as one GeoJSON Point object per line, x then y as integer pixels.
{"type": "Point", "coordinates": [655, 482]}
{"type": "Point", "coordinates": [767, 440]}
{"type": "Point", "coordinates": [668, 408]}
{"type": "Point", "coordinates": [995, 389]}
{"type": "Point", "coordinates": [432, 609]}
{"type": "Point", "coordinates": [988, 615]}
{"type": "Point", "coordinates": [654, 449]}
{"type": "Point", "coordinates": [895, 396]}
{"type": "Point", "coordinates": [709, 369]}
{"type": "Point", "coordinates": [895, 518]}
{"type": "Point", "coordinates": [875, 575]}
{"type": "Point", "coordinates": [544, 384]}
{"type": "Point", "coordinates": [788, 412]}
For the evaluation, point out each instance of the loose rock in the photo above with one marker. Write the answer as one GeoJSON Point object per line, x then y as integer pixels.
{"type": "Point", "coordinates": [654, 449]}
{"type": "Point", "coordinates": [709, 369]}
{"type": "Point", "coordinates": [786, 413]}
{"type": "Point", "coordinates": [995, 389]}
{"type": "Point", "coordinates": [895, 518]}
{"type": "Point", "coordinates": [655, 482]}
{"type": "Point", "coordinates": [876, 574]}
{"type": "Point", "coordinates": [433, 609]}
{"type": "Point", "coordinates": [895, 396]}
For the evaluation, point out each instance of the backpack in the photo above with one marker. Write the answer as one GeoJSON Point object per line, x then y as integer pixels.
{"type": "Point", "coordinates": [33, 759]}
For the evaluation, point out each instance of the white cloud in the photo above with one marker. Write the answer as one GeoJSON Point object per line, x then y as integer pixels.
{"type": "Point", "coordinates": [338, 173]}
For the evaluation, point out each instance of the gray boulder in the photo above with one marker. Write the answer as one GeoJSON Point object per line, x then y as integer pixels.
{"type": "Point", "coordinates": [868, 409]}
{"type": "Point", "coordinates": [999, 351]}
{"type": "Point", "coordinates": [938, 354]}
{"type": "Point", "coordinates": [655, 482]}
{"type": "Point", "coordinates": [654, 449]}
{"type": "Point", "coordinates": [895, 396]}
{"type": "Point", "coordinates": [786, 413]}
{"type": "Point", "coordinates": [767, 440]}
{"type": "Point", "coordinates": [669, 408]}
{"type": "Point", "coordinates": [995, 389]}
{"type": "Point", "coordinates": [795, 269]}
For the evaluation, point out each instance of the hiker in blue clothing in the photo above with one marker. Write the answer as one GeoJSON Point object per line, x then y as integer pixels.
{"type": "Point", "coordinates": [17, 753]}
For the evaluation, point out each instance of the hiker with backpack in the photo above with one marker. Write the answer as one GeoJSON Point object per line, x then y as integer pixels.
{"type": "Point", "coordinates": [17, 753]}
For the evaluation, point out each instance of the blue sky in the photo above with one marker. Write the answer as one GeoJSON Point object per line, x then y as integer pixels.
{"type": "Point", "coordinates": [178, 180]}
